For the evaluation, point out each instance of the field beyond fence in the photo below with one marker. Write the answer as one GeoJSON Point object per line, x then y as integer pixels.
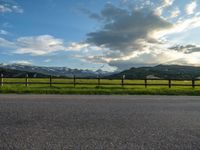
{"type": "Point", "coordinates": [55, 85]}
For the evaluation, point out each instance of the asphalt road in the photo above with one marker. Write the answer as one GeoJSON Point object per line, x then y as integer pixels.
{"type": "Point", "coordinates": [54, 122]}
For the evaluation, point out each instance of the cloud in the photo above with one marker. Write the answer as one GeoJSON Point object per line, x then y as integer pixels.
{"type": "Point", "coordinates": [187, 49]}
{"type": "Point", "coordinates": [126, 31]}
{"type": "Point", "coordinates": [92, 15]}
{"type": "Point", "coordinates": [126, 37]}
{"type": "Point", "coordinates": [39, 45]}
{"type": "Point", "coordinates": [45, 45]}
{"type": "Point", "coordinates": [150, 57]}
{"type": "Point", "coordinates": [82, 46]}
{"type": "Point", "coordinates": [182, 25]}
{"type": "Point", "coordinates": [3, 32]}
{"type": "Point", "coordinates": [17, 9]}
{"type": "Point", "coordinates": [97, 59]}
{"type": "Point", "coordinates": [166, 3]}
{"type": "Point", "coordinates": [22, 62]}
{"type": "Point", "coordinates": [9, 8]}
{"type": "Point", "coordinates": [190, 8]}
{"type": "Point", "coordinates": [158, 56]}
{"type": "Point", "coordinates": [175, 13]}
{"type": "Point", "coordinates": [138, 37]}
{"type": "Point", "coordinates": [4, 9]}
{"type": "Point", "coordinates": [6, 44]}
{"type": "Point", "coordinates": [77, 46]}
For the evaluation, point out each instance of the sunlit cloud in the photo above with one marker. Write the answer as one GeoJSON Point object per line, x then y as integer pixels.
{"type": "Point", "coordinates": [190, 8]}
{"type": "Point", "coordinates": [179, 26]}
{"type": "Point", "coordinates": [22, 62]}
{"type": "Point", "coordinates": [166, 3]}
{"type": "Point", "coordinates": [175, 13]}
{"type": "Point", "coordinates": [39, 45]}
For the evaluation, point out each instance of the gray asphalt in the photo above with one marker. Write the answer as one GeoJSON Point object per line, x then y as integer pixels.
{"type": "Point", "coordinates": [54, 122]}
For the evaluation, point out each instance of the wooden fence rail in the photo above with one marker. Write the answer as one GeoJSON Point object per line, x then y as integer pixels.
{"type": "Point", "coordinates": [74, 82]}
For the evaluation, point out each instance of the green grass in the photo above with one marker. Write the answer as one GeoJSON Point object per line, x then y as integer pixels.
{"type": "Point", "coordinates": [112, 87]}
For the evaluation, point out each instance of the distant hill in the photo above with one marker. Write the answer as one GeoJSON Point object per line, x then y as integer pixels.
{"type": "Point", "coordinates": [17, 73]}
{"type": "Point", "coordinates": [160, 71]}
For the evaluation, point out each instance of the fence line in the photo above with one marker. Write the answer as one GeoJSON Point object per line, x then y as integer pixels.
{"type": "Point", "coordinates": [1, 80]}
{"type": "Point", "coordinates": [98, 83]}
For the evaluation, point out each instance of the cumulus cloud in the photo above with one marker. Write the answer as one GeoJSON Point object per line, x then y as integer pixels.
{"type": "Point", "coordinates": [137, 37]}
{"type": "Point", "coordinates": [126, 31]}
{"type": "Point", "coordinates": [45, 45]}
{"type": "Point", "coordinates": [190, 8]}
{"type": "Point", "coordinates": [126, 37]}
{"type": "Point", "coordinates": [39, 45]}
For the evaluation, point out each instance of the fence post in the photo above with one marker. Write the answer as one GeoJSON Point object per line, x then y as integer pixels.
{"type": "Point", "coordinates": [50, 81]}
{"type": "Point", "coordinates": [98, 77]}
{"type": "Point", "coordinates": [123, 77]}
{"type": "Point", "coordinates": [1, 80]}
{"type": "Point", "coordinates": [74, 81]}
{"type": "Point", "coordinates": [145, 82]}
{"type": "Point", "coordinates": [193, 83]}
{"type": "Point", "coordinates": [170, 83]}
{"type": "Point", "coordinates": [26, 80]}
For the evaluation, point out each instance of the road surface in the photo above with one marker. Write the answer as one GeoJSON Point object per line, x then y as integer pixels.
{"type": "Point", "coordinates": [69, 122]}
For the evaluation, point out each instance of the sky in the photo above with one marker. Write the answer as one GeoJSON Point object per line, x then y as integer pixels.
{"type": "Point", "coordinates": [100, 34]}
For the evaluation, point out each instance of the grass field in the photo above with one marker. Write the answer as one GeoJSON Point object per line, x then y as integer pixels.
{"type": "Point", "coordinates": [90, 86]}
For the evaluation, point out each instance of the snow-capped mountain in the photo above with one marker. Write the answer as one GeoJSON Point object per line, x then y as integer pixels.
{"type": "Point", "coordinates": [56, 71]}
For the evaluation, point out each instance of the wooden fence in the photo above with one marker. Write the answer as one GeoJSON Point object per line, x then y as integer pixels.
{"type": "Point", "coordinates": [98, 82]}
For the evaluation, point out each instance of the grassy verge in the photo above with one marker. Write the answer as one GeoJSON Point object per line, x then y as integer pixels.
{"type": "Point", "coordinates": [108, 90]}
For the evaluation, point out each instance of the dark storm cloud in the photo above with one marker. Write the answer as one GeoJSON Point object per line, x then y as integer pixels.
{"type": "Point", "coordinates": [186, 49]}
{"type": "Point", "coordinates": [92, 15]}
{"type": "Point", "coordinates": [126, 30]}
{"type": "Point", "coordinates": [122, 28]}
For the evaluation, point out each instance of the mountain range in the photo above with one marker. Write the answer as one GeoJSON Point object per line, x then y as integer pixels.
{"type": "Point", "coordinates": [55, 71]}
{"type": "Point", "coordinates": [17, 73]}
{"type": "Point", "coordinates": [156, 72]}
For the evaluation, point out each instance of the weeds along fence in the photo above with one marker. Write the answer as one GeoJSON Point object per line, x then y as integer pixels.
{"type": "Point", "coordinates": [26, 81]}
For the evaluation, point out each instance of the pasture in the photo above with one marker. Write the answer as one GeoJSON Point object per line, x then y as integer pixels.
{"type": "Point", "coordinates": [99, 86]}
